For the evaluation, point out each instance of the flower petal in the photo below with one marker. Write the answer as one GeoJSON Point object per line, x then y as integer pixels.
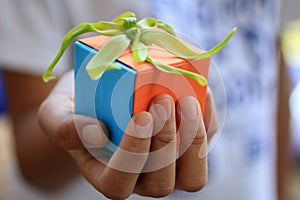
{"type": "Point", "coordinates": [169, 69]}
{"type": "Point", "coordinates": [107, 28]}
{"type": "Point", "coordinates": [123, 15]}
{"type": "Point", "coordinates": [175, 46]}
{"type": "Point", "coordinates": [150, 22]}
{"type": "Point", "coordinates": [110, 51]}
{"type": "Point", "coordinates": [68, 38]}
{"type": "Point", "coordinates": [139, 50]}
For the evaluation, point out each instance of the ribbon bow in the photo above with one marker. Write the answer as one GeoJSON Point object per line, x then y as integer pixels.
{"type": "Point", "coordinates": [127, 32]}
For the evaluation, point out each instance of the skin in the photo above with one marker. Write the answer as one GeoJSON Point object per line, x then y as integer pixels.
{"type": "Point", "coordinates": [39, 158]}
{"type": "Point", "coordinates": [64, 148]}
{"type": "Point", "coordinates": [157, 183]}
{"type": "Point", "coordinates": [284, 160]}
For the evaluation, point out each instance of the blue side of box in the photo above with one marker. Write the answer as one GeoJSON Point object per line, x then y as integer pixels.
{"type": "Point", "coordinates": [110, 98]}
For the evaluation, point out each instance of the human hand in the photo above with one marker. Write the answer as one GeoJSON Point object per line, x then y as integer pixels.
{"type": "Point", "coordinates": [146, 161]}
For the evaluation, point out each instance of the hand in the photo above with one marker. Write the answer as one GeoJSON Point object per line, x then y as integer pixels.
{"type": "Point", "coordinates": [146, 161]}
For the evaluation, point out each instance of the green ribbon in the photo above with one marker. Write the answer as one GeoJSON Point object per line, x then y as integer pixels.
{"type": "Point", "coordinates": [127, 32]}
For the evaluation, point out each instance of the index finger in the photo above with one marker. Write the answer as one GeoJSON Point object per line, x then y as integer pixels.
{"type": "Point", "coordinates": [123, 169]}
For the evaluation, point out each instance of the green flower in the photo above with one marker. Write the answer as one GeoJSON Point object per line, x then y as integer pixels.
{"type": "Point", "coordinates": [127, 32]}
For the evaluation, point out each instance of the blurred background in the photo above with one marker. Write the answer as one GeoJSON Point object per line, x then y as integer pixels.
{"type": "Point", "coordinates": [290, 38]}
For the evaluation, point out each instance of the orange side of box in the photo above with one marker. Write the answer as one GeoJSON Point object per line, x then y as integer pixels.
{"type": "Point", "coordinates": [150, 81]}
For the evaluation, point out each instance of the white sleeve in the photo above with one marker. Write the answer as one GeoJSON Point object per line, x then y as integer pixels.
{"type": "Point", "coordinates": [31, 31]}
{"type": "Point", "coordinates": [29, 35]}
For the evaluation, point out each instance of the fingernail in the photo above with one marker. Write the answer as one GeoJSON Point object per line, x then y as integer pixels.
{"type": "Point", "coordinates": [143, 125]}
{"type": "Point", "coordinates": [91, 135]}
{"type": "Point", "coordinates": [162, 109]}
{"type": "Point", "coordinates": [189, 108]}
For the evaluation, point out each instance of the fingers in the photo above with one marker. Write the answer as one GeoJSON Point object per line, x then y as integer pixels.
{"type": "Point", "coordinates": [58, 121]}
{"type": "Point", "coordinates": [210, 116]}
{"type": "Point", "coordinates": [122, 171]}
{"type": "Point", "coordinates": [192, 164]}
{"type": "Point", "coordinates": [159, 179]}
{"type": "Point", "coordinates": [120, 175]}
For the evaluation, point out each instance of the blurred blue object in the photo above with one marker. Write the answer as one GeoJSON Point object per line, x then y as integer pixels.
{"type": "Point", "coordinates": [2, 96]}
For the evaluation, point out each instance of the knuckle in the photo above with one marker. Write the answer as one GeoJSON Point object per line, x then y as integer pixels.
{"type": "Point", "coordinates": [165, 139]}
{"type": "Point", "coordinates": [137, 145]}
{"type": "Point", "coordinates": [199, 138]}
{"type": "Point", "coordinates": [60, 134]}
{"type": "Point", "coordinates": [66, 135]}
{"type": "Point", "coordinates": [166, 136]}
{"type": "Point", "coordinates": [160, 97]}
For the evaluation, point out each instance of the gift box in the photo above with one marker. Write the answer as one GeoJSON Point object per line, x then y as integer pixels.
{"type": "Point", "coordinates": [118, 73]}
{"type": "Point", "coordinates": [120, 93]}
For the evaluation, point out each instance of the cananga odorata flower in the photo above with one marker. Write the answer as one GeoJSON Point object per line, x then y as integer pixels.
{"type": "Point", "coordinates": [127, 32]}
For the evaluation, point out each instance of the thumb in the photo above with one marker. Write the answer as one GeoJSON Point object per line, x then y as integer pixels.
{"type": "Point", "coordinates": [92, 132]}
{"type": "Point", "coordinates": [68, 130]}
{"type": "Point", "coordinates": [71, 131]}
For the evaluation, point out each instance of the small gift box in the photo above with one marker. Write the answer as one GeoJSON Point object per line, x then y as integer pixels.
{"type": "Point", "coordinates": [120, 93]}
{"type": "Point", "coordinates": [119, 72]}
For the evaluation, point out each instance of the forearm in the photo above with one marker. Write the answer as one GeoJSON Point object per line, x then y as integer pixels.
{"type": "Point", "coordinates": [41, 161]}
{"type": "Point", "coordinates": [283, 133]}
